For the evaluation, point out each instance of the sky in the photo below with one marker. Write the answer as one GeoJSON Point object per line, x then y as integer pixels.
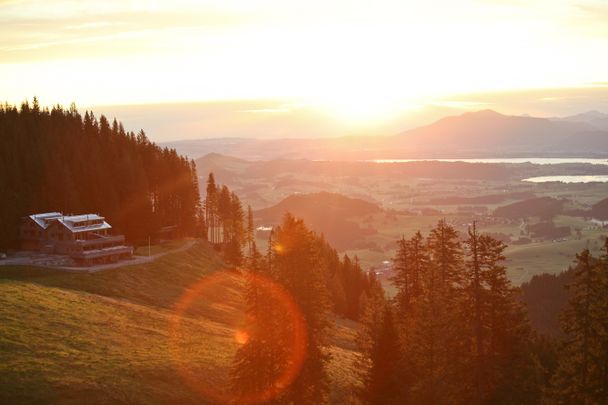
{"type": "Point", "coordinates": [352, 65]}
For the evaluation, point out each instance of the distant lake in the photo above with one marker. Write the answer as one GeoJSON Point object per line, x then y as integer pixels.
{"type": "Point", "coordinates": [569, 179]}
{"type": "Point", "coordinates": [537, 161]}
{"type": "Point", "coordinates": [598, 222]}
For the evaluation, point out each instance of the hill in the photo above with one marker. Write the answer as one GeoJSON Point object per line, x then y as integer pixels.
{"type": "Point", "coordinates": [596, 119]}
{"type": "Point", "coordinates": [318, 204]}
{"type": "Point", "coordinates": [599, 210]}
{"type": "Point", "coordinates": [106, 337]}
{"type": "Point", "coordinates": [473, 134]}
{"type": "Point", "coordinates": [488, 132]}
{"type": "Point", "coordinates": [544, 207]}
{"type": "Point", "coordinates": [326, 213]}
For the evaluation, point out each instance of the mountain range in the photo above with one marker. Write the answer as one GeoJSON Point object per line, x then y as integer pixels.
{"type": "Point", "coordinates": [473, 134]}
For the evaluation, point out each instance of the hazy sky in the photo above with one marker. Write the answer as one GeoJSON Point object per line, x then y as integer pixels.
{"type": "Point", "coordinates": [360, 62]}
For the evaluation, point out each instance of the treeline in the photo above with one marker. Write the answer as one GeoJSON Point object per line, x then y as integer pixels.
{"type": "Point", "coordinates": [230, 230]}
{"type": "Point", "coordinates": [455, 332]}
{"type": "Point", "coordinates": [284, 358]}
{"type": "Point", "coordinates": [581, 375]}
{"type": "Point", "coordinates": [546, 296]}
{"type": "Point", "coordinates": [58, 160]}
{"type": "Point", "coordinates": [223, 222]}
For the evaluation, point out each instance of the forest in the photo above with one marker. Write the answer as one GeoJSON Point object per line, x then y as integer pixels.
{"type": "Point", "coordinates": [58, 160]}
{"type": "Point", "coordinates": [456, 332]}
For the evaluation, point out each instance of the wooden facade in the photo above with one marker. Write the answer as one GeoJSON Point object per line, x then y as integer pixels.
{"type": "Point", "coordinates": [85, 238]}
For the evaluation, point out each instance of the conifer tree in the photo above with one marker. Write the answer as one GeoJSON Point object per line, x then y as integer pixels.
{"type": "Point", "coordinates": [298, 266]}
{"type": "Point", "coordinates": [436, 344]}
{"type": "Point", "coordinates": [250, 229]}
{"type": "Point", "coordinates": [211, 202]}
{"type": "Point", "coordinates": [499, 333]}
{"type": "Point", "coordinates": [259, 363]}
{"type": "Point", "coordinates": [224, 213]}
{"type": "Point", "coordinates": [410, 264]}
{"type": "Point", "coordinates": [295, 261]}
{"type": "Point", "coordinates": [474, 310]}
{"type": "Point", "coordinates": [603, 325]}
{"type": "Point", "coordinates": [382, 385]}
{"type": "Point", "coordinates": [234, 233]}
{"type": "Point", "coordinates": [581, 372]}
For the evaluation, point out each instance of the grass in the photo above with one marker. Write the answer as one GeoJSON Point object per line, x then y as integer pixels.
{"type": "Point", "coordinates": [159, 248]}
{"type": "Point", "coordinates": [524, 261]}
{"type": "Point", "coordinates": [106, 337]}
{"type": "Point", "coordinates": [343, 369]}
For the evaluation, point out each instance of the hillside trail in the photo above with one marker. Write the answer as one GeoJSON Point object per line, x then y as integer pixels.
{"type": "Point", "coordinates": [122, 263]}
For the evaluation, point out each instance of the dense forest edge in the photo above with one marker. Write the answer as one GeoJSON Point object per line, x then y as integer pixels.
{"type": "Point", "coordinates": [59, 160]}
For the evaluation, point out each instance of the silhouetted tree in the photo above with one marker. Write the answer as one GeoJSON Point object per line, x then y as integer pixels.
{"type": "Point", "coordinates": [57, 160]}
{"type": "Point", "coordinates": [583, 364]}
{"type": "Point", "coordinates": [382, 385]}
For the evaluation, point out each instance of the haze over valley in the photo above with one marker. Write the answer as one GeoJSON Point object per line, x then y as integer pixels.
{"type": "Point", "coordinates": [480, 134]}
{"type": "Point", "coordinates": [304, 202]}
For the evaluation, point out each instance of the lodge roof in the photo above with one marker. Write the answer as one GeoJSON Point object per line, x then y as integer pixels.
{"type": "Point", "coordinates": [44, 220]}
{"type": "Point", "coordinates": [74, 223]}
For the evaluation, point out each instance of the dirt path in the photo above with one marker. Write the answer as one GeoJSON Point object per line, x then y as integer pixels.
{"type": "Point", "coordinates": [121, 263]}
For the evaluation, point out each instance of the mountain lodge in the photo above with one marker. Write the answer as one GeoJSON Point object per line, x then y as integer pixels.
{"type": "Point", "coordinates": [85, 238]}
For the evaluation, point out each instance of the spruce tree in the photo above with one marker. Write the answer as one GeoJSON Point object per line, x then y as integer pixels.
{"type": "Point", "coordinates": [581, 372]}
{"type": "Point", "coordinates": [259, 362]}
{"type": "Point", "coordinates": [299, 268]}
{"type": "Point", "coordinates": [473, 312]}
{"type": "Point", "coordinates": [436, 344]}
{"type": "Point", "coordinates": [382, 385]}
{"type": "Point", "coordinates": [211, 208]}
{"type": "Point", "coordinates": [250, 229]}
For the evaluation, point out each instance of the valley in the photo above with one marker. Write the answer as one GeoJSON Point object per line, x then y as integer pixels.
{"type": "Point", "coordinates": [405, 196]}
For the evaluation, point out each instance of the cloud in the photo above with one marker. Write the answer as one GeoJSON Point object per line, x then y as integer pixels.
{"type": "Point", "coordinates": [111, 32]}
{"type": "Point", "coordinates": [268, 111]}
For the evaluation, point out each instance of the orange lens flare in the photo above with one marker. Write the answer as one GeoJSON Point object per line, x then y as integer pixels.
{"type": "Point", "coordinates": [241, 337]}
{"type": "Point", "coordinates": [208, 290]}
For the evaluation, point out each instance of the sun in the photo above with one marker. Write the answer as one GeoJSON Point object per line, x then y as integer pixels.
{"type": "Point", "coordinates": [364, 110]}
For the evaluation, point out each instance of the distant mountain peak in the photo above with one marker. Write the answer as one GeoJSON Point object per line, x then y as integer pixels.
{"type": "Point", "coordinates": [596, 119]}
{"type": "Point", "coordinates": [595, 114]}
{"type": "Point", "coordinates": [485, 113]}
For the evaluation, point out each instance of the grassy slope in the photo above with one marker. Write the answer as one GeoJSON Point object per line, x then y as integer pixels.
{"type": "Point", "coordinates": [103, 337]}
{"type": "Point", "coordinates": [159, 248]}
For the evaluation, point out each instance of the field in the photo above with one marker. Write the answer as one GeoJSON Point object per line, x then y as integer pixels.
{"type": "Point", "coordinates": [110, 337]}
{"type": "Point", "coordinates": [415, 198]}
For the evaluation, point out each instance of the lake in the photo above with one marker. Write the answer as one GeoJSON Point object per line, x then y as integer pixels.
{"type": "Point", "coordinates": [537, 161]}
{"type": "Point", "coordinates": [569, 179]}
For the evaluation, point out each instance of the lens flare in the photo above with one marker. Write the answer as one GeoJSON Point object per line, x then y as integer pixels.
{"type": "Point", "coordinates": [209, 289]}
{"type": "Point", "coordinates": [241, 337]}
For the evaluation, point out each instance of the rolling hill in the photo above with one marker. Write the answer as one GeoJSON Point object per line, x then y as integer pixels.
{"type": "Point", "coordinates": [326, 213]}
{"type": "Point", "coordinates": [101, 338]}
{"type": "Point", "coordinates": [544, 207]}
{"type": "Point", "coordinates": [599, 210]}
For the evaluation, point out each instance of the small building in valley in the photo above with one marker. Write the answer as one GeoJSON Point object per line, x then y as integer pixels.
{"type": "Point", "coordinates": [85, 238]}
